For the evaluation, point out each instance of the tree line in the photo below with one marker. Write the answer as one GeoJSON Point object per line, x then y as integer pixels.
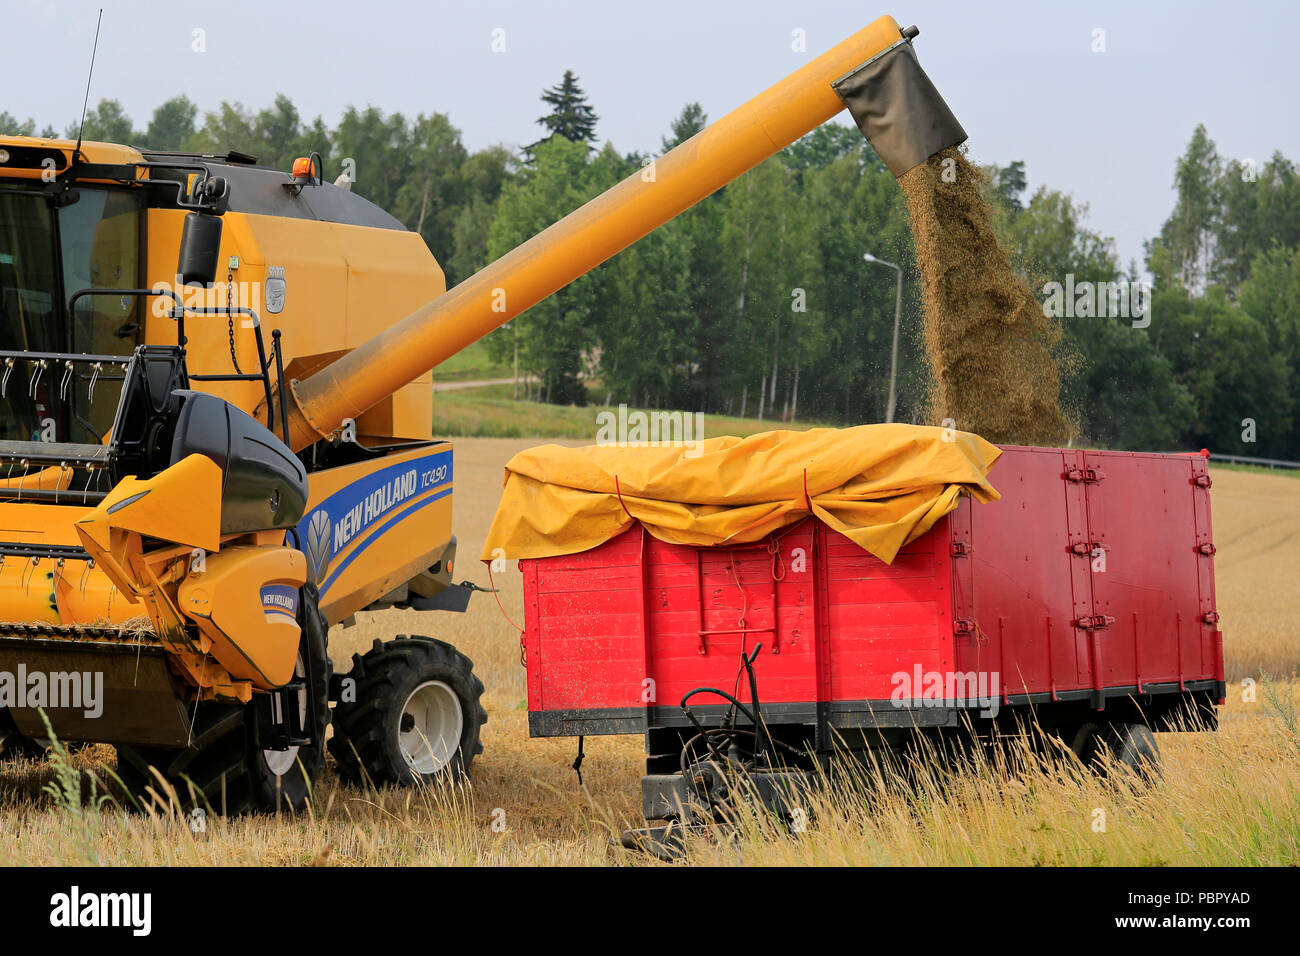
{"type": "Point", "coordinates": [758, 301]}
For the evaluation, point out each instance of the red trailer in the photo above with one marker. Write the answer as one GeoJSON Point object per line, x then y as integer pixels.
{"type": "Point", "coordinates": [1086, 591]}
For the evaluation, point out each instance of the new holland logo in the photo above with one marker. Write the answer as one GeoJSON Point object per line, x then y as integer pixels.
{"type": "Point", "coordinates": [320, 544]}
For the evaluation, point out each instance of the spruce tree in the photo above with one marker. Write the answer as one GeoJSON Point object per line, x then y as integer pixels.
{"type": "Point", "coordinates": [571, 115]}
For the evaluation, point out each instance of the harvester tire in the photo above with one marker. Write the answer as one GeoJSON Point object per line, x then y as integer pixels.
{"type": "Point", "coordinates": [223, 770]}
{"type": "Point", "coordinates": [412, 714]}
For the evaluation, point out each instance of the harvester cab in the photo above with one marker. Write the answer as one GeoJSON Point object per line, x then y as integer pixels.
{"type": "Point", "coordinates": [186, 508]}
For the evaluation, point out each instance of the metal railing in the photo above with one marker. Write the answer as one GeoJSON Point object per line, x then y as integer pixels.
{"type": "Point", "coordinates": [1261, 462]}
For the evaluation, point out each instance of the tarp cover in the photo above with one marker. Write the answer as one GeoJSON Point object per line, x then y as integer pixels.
{"type": "Point", "coordinates": [880, 485]}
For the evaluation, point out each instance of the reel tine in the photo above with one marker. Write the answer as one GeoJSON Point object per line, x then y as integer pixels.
{"type": "Point", "coordinates": [34, 382]}
{"type": "Point", "coordinates": [67, 377]}
{"type": "Point", "coordinates": [27, 584]}
{"type": "Point", "coordinates": [94, 377]}
{"type": "Point", "coordinates": [4, 382]}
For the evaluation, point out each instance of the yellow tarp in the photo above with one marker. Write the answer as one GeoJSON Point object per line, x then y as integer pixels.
{"type": "Point", "coordinates": [881, 485]}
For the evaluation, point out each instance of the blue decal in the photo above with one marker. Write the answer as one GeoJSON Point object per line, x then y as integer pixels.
{"type": "Point", "coordinates": [379, 534]}
{"type": "Point", "coordinates": [280, 599]}
{"type": "Point", "coordinates": [329, 527]}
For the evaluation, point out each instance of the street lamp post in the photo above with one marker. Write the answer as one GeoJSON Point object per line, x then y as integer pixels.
{"type": "Point", "coordinates": [893, 355]}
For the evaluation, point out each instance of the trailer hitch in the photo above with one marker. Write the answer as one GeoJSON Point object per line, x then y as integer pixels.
{"type": "Point", "coordinates": [718, 767]}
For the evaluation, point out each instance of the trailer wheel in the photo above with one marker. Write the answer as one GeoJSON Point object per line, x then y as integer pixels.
{"type": "Point", "coordinates": [223, 769]}
{"type": "Point", "coordinates": [411, 713]}
{"type": "Point", "coordinates": [1130, 745]}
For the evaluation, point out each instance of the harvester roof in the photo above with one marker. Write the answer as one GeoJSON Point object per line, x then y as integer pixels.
{"type": "Point", "coordinates": [254, 189]}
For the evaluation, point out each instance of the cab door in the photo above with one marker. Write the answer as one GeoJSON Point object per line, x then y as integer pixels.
{"type": "Point", "coordinates": [99, 244]}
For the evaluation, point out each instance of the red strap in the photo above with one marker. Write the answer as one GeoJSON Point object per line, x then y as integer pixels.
{"type": "Point", "coordinates": [523, 656]}
{"type": "Point", "coordinates": [619, 491]}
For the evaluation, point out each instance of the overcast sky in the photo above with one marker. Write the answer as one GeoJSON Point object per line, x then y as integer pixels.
{"type": "Point", "coordinates": [1022, 77]}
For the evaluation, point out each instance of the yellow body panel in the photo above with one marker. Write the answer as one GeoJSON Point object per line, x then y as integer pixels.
{"type": "Point", "coordinates": [181, 504]}
{"type": "Point", "coordinates": [231, 599]}
{"type": "Point", "coordinates": [106, 153]}
{"type": "Point", "coordinates": [343, 283]}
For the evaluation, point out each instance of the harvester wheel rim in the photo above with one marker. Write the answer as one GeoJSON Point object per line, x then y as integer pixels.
{"type": "Point", "coordinates": [430, 726]}
{"type": "Point", "coordinates": [280, 762]}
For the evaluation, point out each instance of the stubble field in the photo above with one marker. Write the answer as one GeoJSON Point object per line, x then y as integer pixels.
{"type": "Point", "coordinates": [1227, 798]}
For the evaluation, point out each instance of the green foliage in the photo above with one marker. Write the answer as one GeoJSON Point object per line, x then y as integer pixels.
{"type": "Point", "coordinates": [1008, 184]}
{"type": "Point", "coordinates": [1271, 295]}
{"type": "Point", "coordinates": [71, 790]}
{"type": "Point", "coordinates": [1048, 241]}
{"type": "Point", "coordinates": [1123, 392]}
{"type": "Point", "coordinates": [571, 116]}
{"type": "Point", "coordinates": [824, 145]}
{"type": "Point", "coordinates": [378, 146]}
{"type": "Point", "coordinates": [1260, 211]}
{"type": "Point", "coordinates": [1222, 356]}
{"type": "Point", "coordinates": [552, 338]}
{"type": "Point", "coordinates": [1226, 260]}
{"type": "Point", "coordinates": [172, 124]}
{"type": "Point", "coordinates": [11, 125]}
{"type": "Point", "coordinates": [1188, 235]}
{"type": "Point", "coordinates": [856, 208]}
{"type": "Point", "coordinates": [105, 123]}
{"type": "Point", "coordinates": [689, 121]}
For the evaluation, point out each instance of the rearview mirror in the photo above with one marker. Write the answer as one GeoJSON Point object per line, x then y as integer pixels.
{"type": "Point", "coordinates": [200, 249]}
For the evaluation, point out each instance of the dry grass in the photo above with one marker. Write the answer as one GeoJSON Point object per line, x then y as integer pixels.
{"type": "Point", "coordinates": [1227, 798]}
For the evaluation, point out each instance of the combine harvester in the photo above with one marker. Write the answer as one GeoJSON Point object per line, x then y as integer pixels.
{"type": "Point", "coordinates": [187, 507]}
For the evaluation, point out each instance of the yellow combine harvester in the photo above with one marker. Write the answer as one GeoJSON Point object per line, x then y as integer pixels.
{"type": "Point", "coordinates": [188, 503]}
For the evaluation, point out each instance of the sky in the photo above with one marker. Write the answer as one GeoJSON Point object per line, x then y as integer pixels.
{"type": "Point", "coordinates": [1103, 121]}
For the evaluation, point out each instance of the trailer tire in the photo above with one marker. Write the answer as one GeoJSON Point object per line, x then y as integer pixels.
{"type": "Point", "coordinates": [1129, 745]}
{"type": "Point", "coordinates": [414, 714]}
{"type": "Point", "coordinates": [1134, 747]}
{"type": "Point", "coordinates": [223, 769]}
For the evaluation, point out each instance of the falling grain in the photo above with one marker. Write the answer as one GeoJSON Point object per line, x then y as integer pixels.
{"type": "Point", "coordinates": [989, 344]}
